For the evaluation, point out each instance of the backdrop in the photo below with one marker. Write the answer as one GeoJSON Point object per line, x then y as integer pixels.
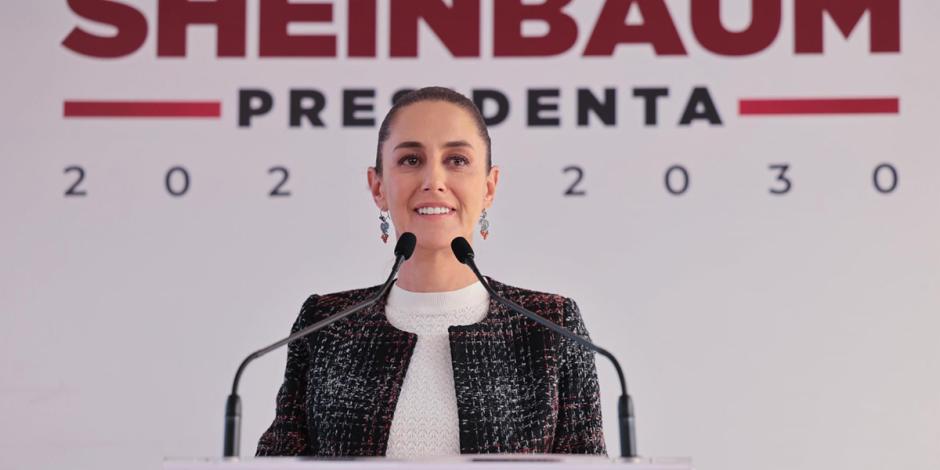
{"type": "Point", "coordinates": [741, 196]}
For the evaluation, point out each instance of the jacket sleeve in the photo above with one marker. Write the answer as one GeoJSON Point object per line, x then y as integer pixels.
{"type": "Point", "coordinates": [288, 434]}
{"type": "Point", "coordinates": [579, 429]}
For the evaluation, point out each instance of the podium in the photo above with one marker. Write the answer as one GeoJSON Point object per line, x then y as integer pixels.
{"type": "Point", "coordinates": [462, 462]}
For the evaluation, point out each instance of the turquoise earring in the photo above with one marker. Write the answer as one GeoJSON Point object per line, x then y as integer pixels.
{"type": "Point", "coordinates": [484, 225]}
{"type": "Point", "coordinates": [384, 226]}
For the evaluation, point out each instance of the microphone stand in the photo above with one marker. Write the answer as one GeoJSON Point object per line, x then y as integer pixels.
{"type": "Point", "coordinates": [625, 419]}
{"type": "Point", "coordinates": [233, 406]}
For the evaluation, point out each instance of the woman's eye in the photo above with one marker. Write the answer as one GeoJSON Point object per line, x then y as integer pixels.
{"type": "Point", "coordinates": [460, 160]}
{"type": "Point", "coordinates": [409, 160]}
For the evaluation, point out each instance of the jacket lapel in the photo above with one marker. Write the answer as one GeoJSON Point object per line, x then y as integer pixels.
{"type": "Point", "coordinates": [363, 360]}
{"type": "Point", "coordinates": [506, 382]}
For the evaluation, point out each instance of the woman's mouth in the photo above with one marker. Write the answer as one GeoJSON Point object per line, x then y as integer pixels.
{"type": "Point", "coordinates": [440, 210]}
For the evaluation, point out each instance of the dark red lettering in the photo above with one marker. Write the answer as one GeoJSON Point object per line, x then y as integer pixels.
{"type": "Point", "coordinates": [175, 15]}
{"type": "Point", "coordinates": [273, 39]}
{"type": "Point", "coordinates": [884, 17]}
{"type": "Point", "coordinates": [361, 22]}
{"type": "Point", "coordinates": [712, 35]}
{"type": "Point", "coordinates": [458, 27]}
{"type": "Point", "coordinates": [131, 29]}
{"type": "Point", "coordinates": [657, 28]}
{"type": "Point", "coordinates": [508, 40]}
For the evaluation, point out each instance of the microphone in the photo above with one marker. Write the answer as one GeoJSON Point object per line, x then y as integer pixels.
{"type": "Point", "coordinates": [464, 254]}
{"type": "Point", "coordinates": [233, 407]}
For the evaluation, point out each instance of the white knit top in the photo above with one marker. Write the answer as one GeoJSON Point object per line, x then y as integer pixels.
{"type": "Point", "coordinates": [425, 420]}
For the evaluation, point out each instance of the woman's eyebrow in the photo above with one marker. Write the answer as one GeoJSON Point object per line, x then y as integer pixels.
{"type": "Point", "coordinates": [412, 144]}
{"type": "Point", "coordinates": [409, 144]}
{"type": "Point", "coordinates": [458, 143]}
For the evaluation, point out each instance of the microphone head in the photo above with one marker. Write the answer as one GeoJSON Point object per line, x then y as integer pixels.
{"type": "Point", "coordinates": [462, 249]}
{"type": "Point", "coordinates": [405, 246]}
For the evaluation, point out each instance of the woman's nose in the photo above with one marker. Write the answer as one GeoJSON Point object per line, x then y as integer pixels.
{"type": "Point", "coordinates": [435, 179]}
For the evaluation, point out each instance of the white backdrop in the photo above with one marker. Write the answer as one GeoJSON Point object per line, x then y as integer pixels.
{"type": "Point", "coordinates": [757, 330]}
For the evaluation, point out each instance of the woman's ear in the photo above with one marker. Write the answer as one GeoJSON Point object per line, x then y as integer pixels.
{"type": "Point", "coordinates": [492, 179]}
{"type": "Point", "coordinates": [377, 189]}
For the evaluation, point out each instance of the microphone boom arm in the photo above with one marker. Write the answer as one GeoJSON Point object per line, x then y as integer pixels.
{"type": "Point", "coordinates": [624, 405]}
{"type": "Point", "coordinates": [311, 328]}
{"type": "Point", "coordinates": [233, 406]}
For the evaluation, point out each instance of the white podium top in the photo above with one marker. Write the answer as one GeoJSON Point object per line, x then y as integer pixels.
{"type": "Point", "coordinates": [463, 462]}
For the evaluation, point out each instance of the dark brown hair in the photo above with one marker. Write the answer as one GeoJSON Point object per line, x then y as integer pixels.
{"type": "Point", "coordinates": [433, 93]}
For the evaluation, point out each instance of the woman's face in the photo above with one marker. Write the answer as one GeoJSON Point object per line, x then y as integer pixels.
{"type": "Point", "coordinates": [434, 181]}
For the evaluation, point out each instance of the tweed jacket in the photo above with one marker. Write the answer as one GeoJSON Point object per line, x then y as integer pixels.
{"type": "Point", "coordinates": [520, 387]}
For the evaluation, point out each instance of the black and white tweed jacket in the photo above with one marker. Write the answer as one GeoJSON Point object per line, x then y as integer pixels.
{"type": "Point", "coordinates": [520, 388]}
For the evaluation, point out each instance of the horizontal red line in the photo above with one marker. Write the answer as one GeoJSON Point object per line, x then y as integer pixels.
{"type": "Point", "coordinates": [210, 109]}
{"type": "Point", "coordinates": [819, 106]}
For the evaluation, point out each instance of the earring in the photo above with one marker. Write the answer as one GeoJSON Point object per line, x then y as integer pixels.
{"type": "Point", "coordinates": [384, 226]}
{"type": "Point", "coordinates": [484, 225]}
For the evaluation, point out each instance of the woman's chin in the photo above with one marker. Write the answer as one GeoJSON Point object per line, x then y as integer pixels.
{"type": "Point", "coordinates": [435, 241]}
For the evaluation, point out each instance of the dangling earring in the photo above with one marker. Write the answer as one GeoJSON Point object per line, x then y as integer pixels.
{"type": "Point", "coordinates": [484, 225]}
{"type": "Point", "coordinates": [384, 226]}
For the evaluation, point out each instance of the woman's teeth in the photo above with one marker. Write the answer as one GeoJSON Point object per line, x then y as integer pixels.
{"type": "Point", "coordinates": [433, 210]}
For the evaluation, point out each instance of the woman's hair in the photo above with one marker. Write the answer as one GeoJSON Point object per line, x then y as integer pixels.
{"type": "Point", "coordinates": [433, 93]}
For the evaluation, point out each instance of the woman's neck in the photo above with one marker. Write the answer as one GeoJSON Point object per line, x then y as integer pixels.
{"type": "Point", "coordinates": [434, 271]}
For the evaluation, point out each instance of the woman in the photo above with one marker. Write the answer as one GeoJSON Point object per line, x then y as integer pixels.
{"type": "Point", "coordinates": [438, 368]}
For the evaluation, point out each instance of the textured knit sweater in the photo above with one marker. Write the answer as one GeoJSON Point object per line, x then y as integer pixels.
{"type": "Point", "coordinates": [519, 387]}
{"type": "Point", "coordinates": [425, 419]}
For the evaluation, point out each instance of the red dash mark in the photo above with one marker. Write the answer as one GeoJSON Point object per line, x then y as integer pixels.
{"type": "Point", "coordinates": [132, 109]}
{"type": "Point", "coordinates": [754, 107]}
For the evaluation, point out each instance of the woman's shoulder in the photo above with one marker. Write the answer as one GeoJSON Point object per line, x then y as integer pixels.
{"type": "Point", "coordinates": [319, 306]}
{"type": "Point", "coordinates": [556, 307]}
{"type": "Point", "coordinates": [523, 293]}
